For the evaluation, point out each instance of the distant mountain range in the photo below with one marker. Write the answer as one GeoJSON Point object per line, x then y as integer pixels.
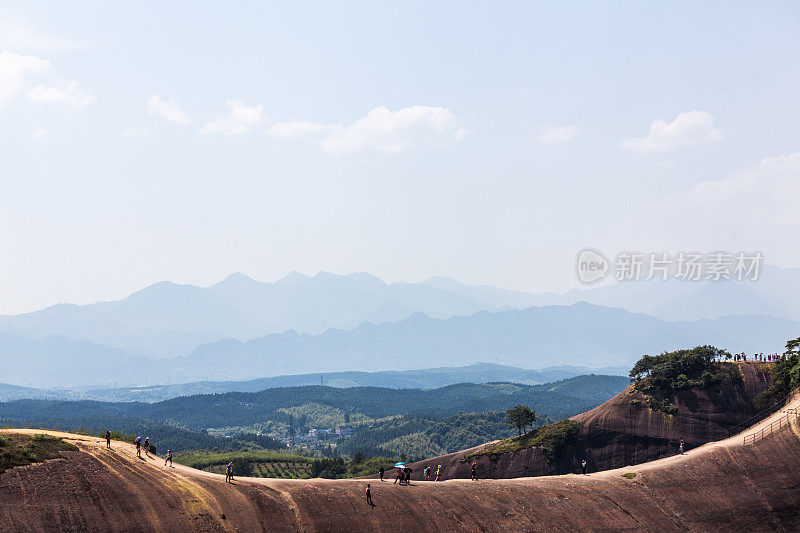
{"type": "Point", "coordinates": [581, 334]}
{"type": "Point", "coordinates": [167, 320]}
{"type": "Point", "coordinates": [775, 293]}
{"type": "Point", "coordinates": [57, 361]}
{"type": "Point", "coordinates": [248, 409]}
{"type": "Point", "coordinates": [430, 378]}
{"type": "Point", "coordinates": [240, 328]}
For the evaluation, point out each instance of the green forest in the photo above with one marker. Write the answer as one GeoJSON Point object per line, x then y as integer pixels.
{"type": "Point", "coordinates": [319, 422]}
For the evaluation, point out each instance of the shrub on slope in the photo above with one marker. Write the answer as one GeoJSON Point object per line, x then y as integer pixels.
{"type": "Point", "coordinates": [20, 450]}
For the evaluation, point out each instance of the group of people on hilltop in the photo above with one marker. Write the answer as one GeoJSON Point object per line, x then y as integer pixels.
{"type": "Point", "coordinates": [138, 443]}
{"type": "Point", "coordinates": [758, 357]}
{"type": "Point", "coordinates": [404, 477]}
{"type": "Point", "coordinates": [403, 474]}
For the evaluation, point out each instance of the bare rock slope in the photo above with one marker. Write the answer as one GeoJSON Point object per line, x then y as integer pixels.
{"type": "Point", "coordinates": [623, 431]}
{"type": "Point", "coordinates": [720, 486]}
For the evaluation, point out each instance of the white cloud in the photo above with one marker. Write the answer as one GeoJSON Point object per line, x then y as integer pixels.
{"type": "Point", "coordinates": [41, 133]}
{"type": "Point", "coordinates": [13, 69]}
{"type": "Point", "coordinates": [16, 34]}
{"type": "Point", "coordinates": [558, 134]}
{"type": "Point", "coordinates": [170, 111]}
{"type": "Point", "coordinates": [64, 92]}
{"type": "Point", "coordinates": [688, 129]}
{"type": "Point", "coordinates": [240, 119]}
{"type": "Point", "coordinates": [382, 130]}
{"type": "Point", "coordinates": [768, 192]}
{"type": "Point", "coordinates": [300, 129]}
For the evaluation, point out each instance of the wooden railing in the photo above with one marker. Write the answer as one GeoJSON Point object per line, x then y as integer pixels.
{"type": "Point", "coordinates": [784, 421]}
{"type": "Point", "coordinates": [753, 420]}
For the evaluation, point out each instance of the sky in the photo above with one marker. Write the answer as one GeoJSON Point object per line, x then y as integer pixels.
{"type": "Point", "coordinates": [489, 142]}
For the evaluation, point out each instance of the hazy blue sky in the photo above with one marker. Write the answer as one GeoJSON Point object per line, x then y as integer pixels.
{"type": "Point", "coordinates": [484, 141]}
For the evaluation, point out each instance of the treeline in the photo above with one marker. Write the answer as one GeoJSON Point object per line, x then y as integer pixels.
{"type": "Point", "coordinates": [416, 438]}
{"type": "Point", "coordinates": [336, 468]}
{"type": "Point", "coordinates": [411, 421]}
{"type": "Point", "coordinates": [283, 465]}
{"type": "Point", "coordinates": [369, 441]}
{"type": "Point", "coordinates": [588, 387]}
{"type": "Point", "coordinates": [246, 409]}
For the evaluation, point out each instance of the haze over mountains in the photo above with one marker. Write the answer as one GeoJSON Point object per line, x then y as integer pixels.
{"type": "Point", "coordinates": [775, 293]}
{"type": "Point", "coordinates": [166, 319]}
{"type": "Point", "coordinates": [429, 378]}
{"type": "Point", "coordinates": [242, 329]}
{"type": "Point", "coordinates": [581, 334]}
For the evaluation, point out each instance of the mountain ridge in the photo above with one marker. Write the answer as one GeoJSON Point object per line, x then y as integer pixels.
{"type": "Point", "coordinates": [581, 334]}
{"type": "Point", "coordinates": [167, 319]}
{"type": "Point", "coordinates": [427, 378]}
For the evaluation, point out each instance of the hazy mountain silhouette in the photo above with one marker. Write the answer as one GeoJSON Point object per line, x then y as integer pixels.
{"type": "Point", "coordinates": [774, 293]}
{"type": "Point", "coordinates": [581, 334]}
{"type": "Point", "coordinates": [166, 319]}
{"type": "Point", "coordinates": [499, 298]}
{"type": "Point", "coordinates": [56, 361]}
{"type": "Point", "coordinates": [428, 378]}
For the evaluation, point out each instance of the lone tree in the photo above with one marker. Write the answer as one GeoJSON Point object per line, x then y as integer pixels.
{"type": "Point", "coordinates": [520, 417]}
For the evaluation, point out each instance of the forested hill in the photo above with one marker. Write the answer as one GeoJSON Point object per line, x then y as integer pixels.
{"type": "Point", "coordinates": [248, 408]}
{"type": "Point", "coordinates": [429, 378]}
{"type": "Point", "coordinates": [268, 411]}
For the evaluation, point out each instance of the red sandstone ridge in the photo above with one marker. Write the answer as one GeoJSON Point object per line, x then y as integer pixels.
{"type": "Point", "coordinates": [720, 486]}
{"type": "Point", "coordinates": [623, 431]}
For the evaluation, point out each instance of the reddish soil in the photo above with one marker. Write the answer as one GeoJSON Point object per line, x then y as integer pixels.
{"type": "Point", "coordinates": [624, 431]}
{"type": "Point", "coordinates": [721, 486]}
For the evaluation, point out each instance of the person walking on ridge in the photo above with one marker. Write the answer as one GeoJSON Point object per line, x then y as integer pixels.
{"type": "Point", "coordinates": [229, 473]}
{"type": "Point", "coordinates": [169, 458]}
{"type": "Point", "coordinates": [438, 473]}
{"type": "Point", "coordinates": [138, 442]}
{"type": "Point", "coordinates": [583, 466]}
{"type": "Point", "coordinates": [108, 439]}
{"type": "Point", "coordinates": [381, 471]}
{"type": "Point", "coordinates": [680, 447]}
{"type": "Point", "coordinates": [147, 446]}
{"type": "Point", "coordinates": [369, 496]}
